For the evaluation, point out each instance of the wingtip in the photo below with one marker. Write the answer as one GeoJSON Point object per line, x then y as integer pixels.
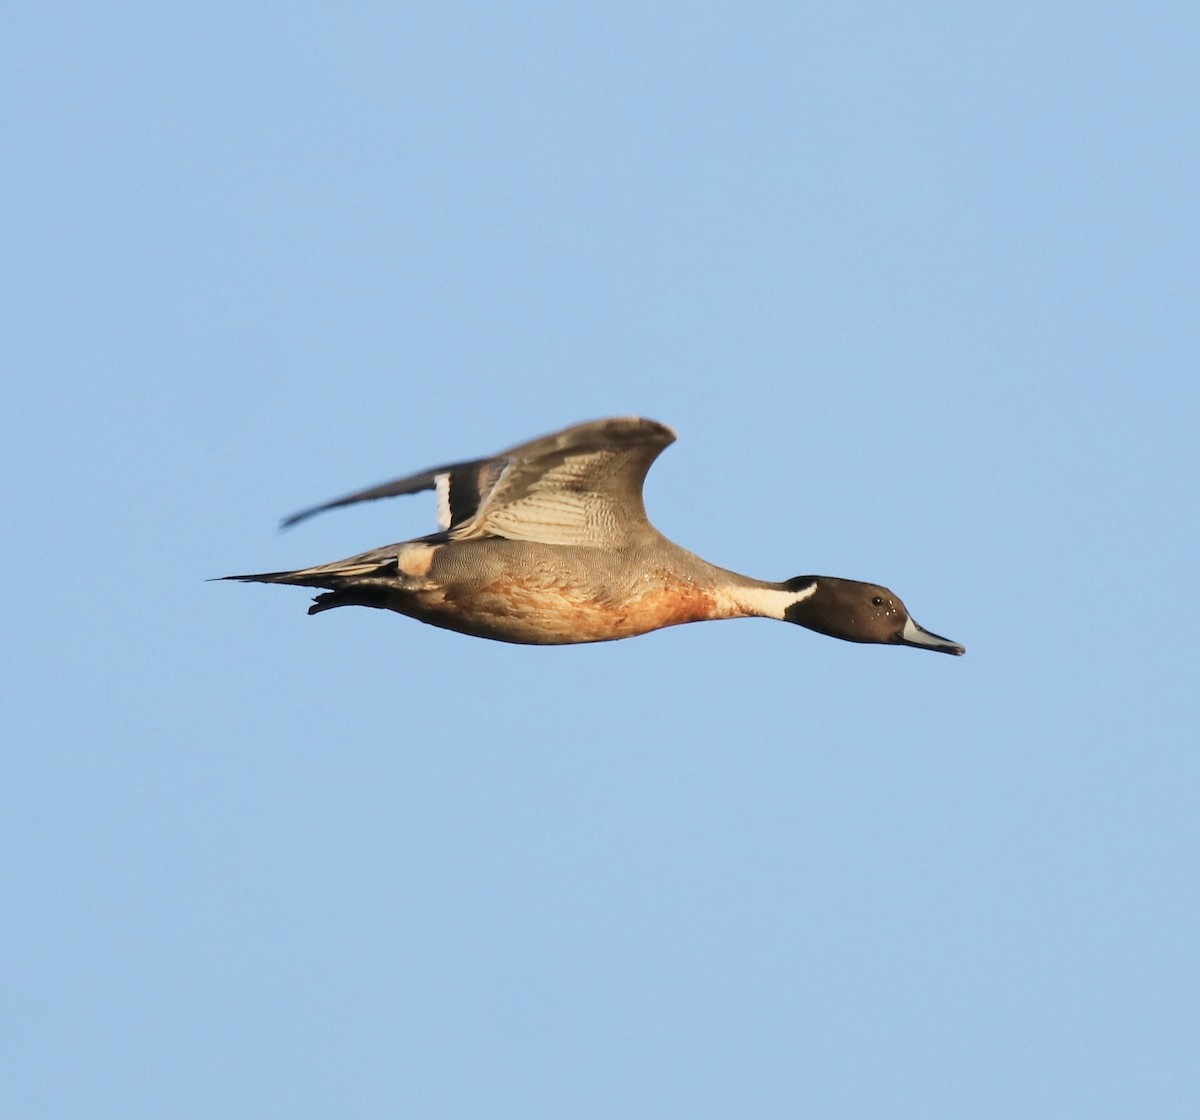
{"type": "Point", "coordinates": [294, 519]}
{"type": "Point", "coordinates": [286, 523]}
{"type": "Point", "coordinates": [639, 428]}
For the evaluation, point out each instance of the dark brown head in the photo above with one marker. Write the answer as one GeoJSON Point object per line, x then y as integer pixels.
{"type": "Point", "coordinates": [858, 612]}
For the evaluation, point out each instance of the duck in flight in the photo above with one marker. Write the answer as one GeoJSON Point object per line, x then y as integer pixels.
{"type": "Point", "coordinates": [548, 543]}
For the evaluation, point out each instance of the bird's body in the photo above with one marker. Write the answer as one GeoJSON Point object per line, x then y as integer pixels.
{"type": "Point", "coordinates": [543, 594]}
{"type": "Point", "coordinates": [548, 544]}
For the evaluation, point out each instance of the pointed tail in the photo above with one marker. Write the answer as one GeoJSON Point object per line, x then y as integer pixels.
{"type": "Point", "coordinates": [306, 577]}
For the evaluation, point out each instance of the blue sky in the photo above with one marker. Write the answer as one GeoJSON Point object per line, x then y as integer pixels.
{"type": "Point", "coordinates": [917, 287]}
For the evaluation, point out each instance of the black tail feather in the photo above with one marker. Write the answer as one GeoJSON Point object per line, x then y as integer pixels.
{"type": "Point", "coordinates": [299, 578]}
{"type": "Point", "coordinates": [362, 595]}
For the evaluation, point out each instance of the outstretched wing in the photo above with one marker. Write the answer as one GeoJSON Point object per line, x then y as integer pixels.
{"type": "Point", "coordinates": [582, 485]}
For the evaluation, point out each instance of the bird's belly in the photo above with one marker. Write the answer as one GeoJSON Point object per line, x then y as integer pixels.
{"type": "Point", "coordinates": [546, 615]}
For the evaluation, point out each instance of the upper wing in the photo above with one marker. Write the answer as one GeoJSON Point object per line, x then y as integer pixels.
{"type": "Point", "coordinates": [582, 485]}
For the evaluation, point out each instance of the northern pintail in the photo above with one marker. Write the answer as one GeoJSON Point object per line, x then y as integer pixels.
{"type": "Point", "coordinates": [548, 543]}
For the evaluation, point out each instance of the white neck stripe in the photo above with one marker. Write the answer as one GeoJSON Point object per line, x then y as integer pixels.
{"type": "Point", "coordinates": [771, 602]}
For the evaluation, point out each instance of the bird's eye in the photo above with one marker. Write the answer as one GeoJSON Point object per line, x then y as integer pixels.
{"type": "Point", "coordinates": [877, 601]}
